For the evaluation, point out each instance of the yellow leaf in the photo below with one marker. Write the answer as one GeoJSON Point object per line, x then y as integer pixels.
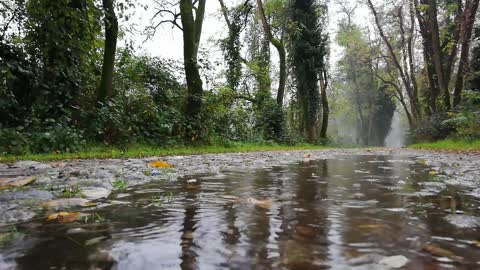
{"type": "Point", "coordinates": [161, 164]}
{"type": "Point", "coordinates": [432, 172]}
{"type": "Point", "coordinates": [64, 217]}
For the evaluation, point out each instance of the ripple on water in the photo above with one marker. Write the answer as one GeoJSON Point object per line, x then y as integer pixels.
{"type": "Point", "coordinates": [348, 213]}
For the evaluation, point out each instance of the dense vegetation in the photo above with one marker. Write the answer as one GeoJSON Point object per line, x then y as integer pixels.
{"type": "Point", "coordinates": [68, 81]}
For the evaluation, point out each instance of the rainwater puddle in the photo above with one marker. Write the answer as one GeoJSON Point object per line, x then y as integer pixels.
{"type": "Point", "coordinates": [350, 213]}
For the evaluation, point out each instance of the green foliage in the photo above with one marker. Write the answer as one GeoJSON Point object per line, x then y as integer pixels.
{"type": "Point", "coordinates": [60, 38]}
{"type": "Point", "coordinates": [231, 44]}
{"type": "Point", "coordinates": [433, 128]}
{"type": "Point", "coordinates": [71, 191]}
{"type": "Point", "coordinates": [52, 135]}
{"type": "Point", "coordinates": [50, 70]}
{"type": "Point", "coordinates": [120, 185]}
{"type": "Point", "coordinates": [467, 120]}
{"type": "Point", "coordinates": [48, 136]}
{"type": "Point", "coordinates": [13, 141]}
{"type": "Point", "coordinates": [464, 124]}
{"type": "Point", "coordinates": [308, 57]}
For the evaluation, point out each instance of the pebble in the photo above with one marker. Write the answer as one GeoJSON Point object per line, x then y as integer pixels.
{"type": "Point", "coordinates": [394, 262]}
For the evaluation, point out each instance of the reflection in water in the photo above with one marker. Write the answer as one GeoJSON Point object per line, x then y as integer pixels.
{"type": "Point", "coordinates": [344, 213]}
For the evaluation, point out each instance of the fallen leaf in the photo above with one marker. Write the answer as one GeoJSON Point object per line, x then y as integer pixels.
{"type": "Point", "coordinates": [69, 202]}
{"type": "Point", "coordinates": [95, 240]}
{"type": "Point", "coordinates": [373, 227]}
{"type": "Point", "coordinates": [266, 204]}
{"type": "Point", "coordinates": [64, 217]}
{"type": "Point", "coordinates": [161, 164]}
{"type": "Point", "coordinates": [16, 182]}
{"type": "Point", "coordinates": [441, 252]}
{"type": "Point", "coordinates": [432, 172]}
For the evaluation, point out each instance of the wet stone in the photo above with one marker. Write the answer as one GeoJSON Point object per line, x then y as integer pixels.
{"type": "Point", "coordinates": [9, 214]}
{"type": "Point", "coordinates": [463, 221]}
{"type": "Point", "coordinates": [33, 165]}
{"type": "Point", "coordinates": [394, 262]}
{"type": "Point", "coordinates": [94, 193]}
{"type": "Point", "coordinates": [102, 174]}
{"type": "Point", "coordinates": [33, 194]}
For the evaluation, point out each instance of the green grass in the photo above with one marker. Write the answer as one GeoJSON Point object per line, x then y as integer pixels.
{"type": "Point", "coordinates": [449, 144]}
{"type": "Point", "coordinates": [138, 151]}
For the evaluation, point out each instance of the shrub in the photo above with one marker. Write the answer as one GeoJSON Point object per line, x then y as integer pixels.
{"type": "Point", "coordinates": [13, 141]}
{"type": "Point", "coordinates": [55, 136]}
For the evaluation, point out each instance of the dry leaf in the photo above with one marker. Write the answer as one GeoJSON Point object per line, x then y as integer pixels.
{"type": "Point", "coordinates": [16, 182]}
{"type": "Point", "coordinates": [373, 227]}
{"type": "Point", "coordinates": [441, 252]}
{"type": "Point", "coordinates": [64, 217]}
{"type": "Point", "coordinates": [267, 204]}
{"type": "Point", "coordinates": [69, 202]}
{"type": "Point", "coordinates": [161, 164]}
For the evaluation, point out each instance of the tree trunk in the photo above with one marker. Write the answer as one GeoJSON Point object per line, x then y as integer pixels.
{"type": "Point", "coordinates": [437, 52]}
{"type": "Point", "coordinates": [281, 53]}
{"type": "Point", "coordinates": [325, 107]}
{"type": "Point", "coordinates": [191, 40]}
{"type": "Point", "coordinates": [468, 20]}
{"type": "Point", "coordinates": [105, 90]}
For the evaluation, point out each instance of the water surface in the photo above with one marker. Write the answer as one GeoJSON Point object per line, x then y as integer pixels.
{"type": "Point", "coordinates": [343, 213]}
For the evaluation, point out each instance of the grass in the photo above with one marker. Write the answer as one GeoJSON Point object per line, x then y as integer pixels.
{"type": "Point", "coordinates": [120, 185]}
{"type": "Point", "coordinates": [138, 151]}
{"type": "Point", "coordinates": [449, 144]}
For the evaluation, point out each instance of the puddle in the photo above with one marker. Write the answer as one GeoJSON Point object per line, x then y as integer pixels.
{"type": "Point", "coordinates": [351, 213]}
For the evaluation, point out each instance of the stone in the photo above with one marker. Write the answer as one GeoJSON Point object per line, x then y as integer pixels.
{"type": "Point", "coordinates": [95, 193]}
{"type": "Point", "coordinates": [33, 165]}
{"type": "Point", "coordinates": [15, 216]}
{"type": "Point", "coordinates": [156, 172]}
{"type": "Point", "coordinates": [137, 177]}
{"type": "Point", "coordinates": [76, 231]}
{"type": "Point", "coordinates": [102, 174]}
{"type": "Point", "coordinates": [394, 262]}
{"type": "Point", "coordinates": [463, 221]}
{"type": "Point", "coordinates": [34, 194]}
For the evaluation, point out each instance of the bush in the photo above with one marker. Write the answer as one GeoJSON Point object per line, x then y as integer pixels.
{"type": "Point", "coordinates": [55, 136]}
{"type": "Point", "coordinates": [433, 128]}
{"type": "Point", "coordinates": [135, 119]}
{"type": "Point", "coordinates": [13, 141]}
{"type": "Point", "coordinates": [467, 120]}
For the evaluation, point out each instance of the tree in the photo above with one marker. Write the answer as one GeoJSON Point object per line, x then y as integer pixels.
{"type": "Point", "coordinates": [401, 60]}
{"type": "Point", "coordinates": [60, 36]}
{"type": "Point", "coordinates": [368, 97]}
{"type": "Point", "coordinates": [466, 29]}
{"type": "Point", "coordinates": [282, 54]}
{"type": "Point", "coordinates": [309, 48]}
{"type": "Point", "coordinates": [444, 25]}
{"type": "Point", "coordinates": [111, 33]}
{"type": "Point", "coordinates": [191, 14]}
